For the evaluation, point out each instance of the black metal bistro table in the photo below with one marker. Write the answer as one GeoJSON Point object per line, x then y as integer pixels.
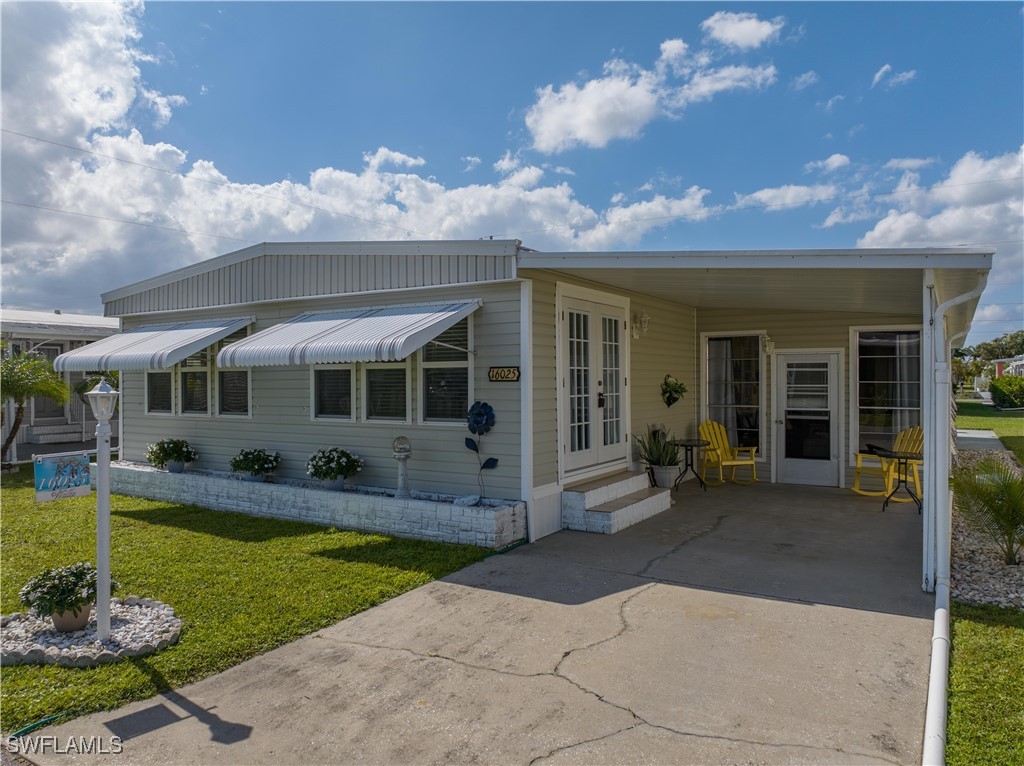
{"type": "Point", "coordinates": [689, 445]}
{"type": "Point", "coordinates": [902, 474]}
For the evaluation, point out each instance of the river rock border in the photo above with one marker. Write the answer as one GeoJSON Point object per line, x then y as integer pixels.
{"type": "Point", "coordinates": [138, 626]}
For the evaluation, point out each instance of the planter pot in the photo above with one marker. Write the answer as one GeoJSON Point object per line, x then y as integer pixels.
{"type": "Point", "coordinates": [174, 466]}
{"type": "Point", "coordinates": [66, 622]}
{"type": "Point", "coordinates": [259, 477]}
{"type": "Point", "coordinates": [665, 475]}
{"type": "Point", "coordinates": [335, 485]}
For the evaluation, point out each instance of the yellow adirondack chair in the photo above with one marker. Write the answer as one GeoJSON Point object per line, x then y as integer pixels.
{"type": "Point", "coordinates": [719, 453]}
{"type": "Point", "coordinates": [868, 464]}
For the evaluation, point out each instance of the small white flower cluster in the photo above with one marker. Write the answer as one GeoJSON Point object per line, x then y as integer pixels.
{"type": "Point", "coordinates": [329, 464]}
{"type": "Point", "coordinates": [257, 462]}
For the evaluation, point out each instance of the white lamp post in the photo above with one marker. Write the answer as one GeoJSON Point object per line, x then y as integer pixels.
{"type": "Point", "coordinates": [103, 400]}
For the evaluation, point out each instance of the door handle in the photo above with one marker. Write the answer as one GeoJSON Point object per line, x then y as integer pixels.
{"type": "Point", "coordinates": [778, 422]}
{"type": "Point", "coordinates": [600, 400]}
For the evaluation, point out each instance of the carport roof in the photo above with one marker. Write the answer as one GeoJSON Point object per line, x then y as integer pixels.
{"type": "Point", "coordinates": [860, 280]}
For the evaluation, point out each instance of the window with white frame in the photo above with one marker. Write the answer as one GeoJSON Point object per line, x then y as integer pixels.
{"type": "Point", "coordinates": [888, 385]}
{"type": "Point", "coordinates": [194, 384]}
{"type": "Point", "coordinates": [445, 375]}
{"type": "Point", "coordinates": [160, 393]}
{"type": "Point", "coordinates": [386, 391]}
{"type": "Point", "coordinates": [234, 393]}
{"type": "Point", "coordinates": [333, 388]}
{"type": "Point", "coordinates": [734, 387]}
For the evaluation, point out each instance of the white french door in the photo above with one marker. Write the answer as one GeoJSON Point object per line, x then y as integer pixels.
{"type": "Point", "coordinates": [807, 418]}
{"type": "Point", "coordinates": [592, 393]}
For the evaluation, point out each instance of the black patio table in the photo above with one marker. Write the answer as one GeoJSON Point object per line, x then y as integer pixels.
{"type": "Point", "coordinates": [902, 473]}
{"type": "Point", "coordinates": [689, 445]}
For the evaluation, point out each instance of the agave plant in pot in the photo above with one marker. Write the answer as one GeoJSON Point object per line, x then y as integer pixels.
{"type": "Point", "coordinates": [172, 454]}
{"type": "Point", "coordinates": [255, 464]}
{"type": "Point", "coordinates": [66, 595]}
{"type": "Point", "coordinates": [333, 466]}
{"type": "Point", "coordinates": [659, 450]}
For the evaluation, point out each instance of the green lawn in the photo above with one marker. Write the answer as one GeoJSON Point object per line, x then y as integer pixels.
{"type": "Point", "coordinates": [1008, 426]}
{"type": "Point", "coordinates": [241, 585]}
{"type": "Point", "coordinates": [986, 687]}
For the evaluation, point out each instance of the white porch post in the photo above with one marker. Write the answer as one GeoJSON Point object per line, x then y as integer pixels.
{"type": "Point", "coordinates": [928, 425]}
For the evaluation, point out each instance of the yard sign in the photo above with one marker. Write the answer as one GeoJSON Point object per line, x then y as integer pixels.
{"type": "Point", "coordinates": [60, 476]}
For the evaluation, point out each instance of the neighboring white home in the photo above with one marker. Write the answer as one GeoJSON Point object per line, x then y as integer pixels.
{"type": "Point", "coordinates": [1012, 366]}
{"type": "Point", "coordinates": [50, 334]}
{"type": "Point", "coordinates": [806, 354]}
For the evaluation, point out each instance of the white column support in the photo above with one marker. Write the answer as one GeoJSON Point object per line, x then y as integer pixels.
{"type": "Point", "coordinates": [526, 401]}
{"type": "Point", "coordinates": [928, 425]}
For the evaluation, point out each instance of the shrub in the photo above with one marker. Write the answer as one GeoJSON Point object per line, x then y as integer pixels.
{"type": "Point", "coordinates": [990, 495]}
{"type": "Point", "coordinates": [255, 462]}
{"type": "Point", "coordinates": [329, 464]}
{"type": "Point", "coordinates": [657, 447]}
{"type": "Point", "coordinates": [170, 450]}
{"type": "Point", "coordinates": [66, 589]}
{"type": "Point", "coordinates": [1008, 391]}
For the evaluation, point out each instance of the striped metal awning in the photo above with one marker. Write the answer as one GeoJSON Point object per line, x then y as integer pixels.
{"type": "Point", "coordinates": [151, 347]}
{"type": "Point", "coordinates": [373, 334]}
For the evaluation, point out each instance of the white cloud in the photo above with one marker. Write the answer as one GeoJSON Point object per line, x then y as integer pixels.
{"type": "Point", "coordinates": [742, 30]}
{"type": "Point", "coordinates": [828, 106]}
{"type": "Point", "coordinates": [507, 164]}
{"type": "Point", "coordinates": [785, 197]}
{"type": "Point", "coordinates": [805, 80]}
{"type": "Point", "coordinates": [627, 97]}
{"type": "Point", "coordinates": [611, 107]}
{"type": "Point", "coordinates": [889, 80]}
{"type": "Point", "coordinates": [471, 163]}
{"type": "Point", "coordinates": [385, 156]}
{"type": "Point", "coordinates": [910, 163]}
{"type": "Point", "coordinates": [886, 68]}
{"type": "Point", "coordinates": [832, 163]}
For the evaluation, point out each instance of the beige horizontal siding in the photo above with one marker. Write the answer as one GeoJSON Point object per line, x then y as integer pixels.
{"type": "Point", "coordinates": [281, 410]}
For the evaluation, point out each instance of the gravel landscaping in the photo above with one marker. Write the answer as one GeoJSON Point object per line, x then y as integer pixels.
{"type": "Point", "coordinates": [978, 573]}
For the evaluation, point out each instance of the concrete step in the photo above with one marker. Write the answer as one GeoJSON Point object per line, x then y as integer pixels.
{"type": "Point", "coordinates": [593, 492]}
{"type": "Point", "coordinates": [621, 512]}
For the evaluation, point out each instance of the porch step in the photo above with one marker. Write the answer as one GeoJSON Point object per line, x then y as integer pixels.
{"type": "Point", "coordinates": [612, 503]}
{"type": "Point", "coordinates": [587, 494]}
{"type": "Point", "coordinates": [55, 434]}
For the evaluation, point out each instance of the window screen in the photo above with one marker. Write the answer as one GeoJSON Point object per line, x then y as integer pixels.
{"type": "Point", "coordinates": [158, 392]}
{"type": "Point", "coordinates": [333, 393]}
{"type": "Point", "coordinates": [386, 393]}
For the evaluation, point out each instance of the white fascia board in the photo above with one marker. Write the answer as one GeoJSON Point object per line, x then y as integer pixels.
{"type": "Point", "coordinates": [494, 247]}
{"type": "Point", "coordinates": [867, 258]}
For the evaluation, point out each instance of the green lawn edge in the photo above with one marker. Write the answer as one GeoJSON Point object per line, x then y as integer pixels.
{"type": "Point", "coordinates": [1008, 426]}
{"type": "Point", "coordinates": [242, 586]}
{"type": "Point", "coordinates": [986, 687]}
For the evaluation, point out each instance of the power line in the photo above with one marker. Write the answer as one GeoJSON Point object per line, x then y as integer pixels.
{"type": "Point", "coordinates": [132, 223]}
{"type": "Point", "coordinates": [225, 184]}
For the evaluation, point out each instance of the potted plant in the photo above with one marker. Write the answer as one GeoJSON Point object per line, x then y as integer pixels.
{"type": "Point", "coordinates": [660, 452]}
{"type": "Point", "coordinates": [255, 464]}
{"type": "Point", "coordinates": [672, 390]}
{"type": "Point", "coordinates": [66, 595]}
{"type": "Point", "coordinates": [171, 454]}
{"type": "Point", "coordinates": [333, 466]}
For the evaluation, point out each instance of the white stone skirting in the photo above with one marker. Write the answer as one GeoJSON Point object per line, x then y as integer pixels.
{"type": "Point", "coordinates": [488, 526]}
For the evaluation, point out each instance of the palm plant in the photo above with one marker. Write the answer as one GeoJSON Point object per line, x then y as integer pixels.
{"type": "Point", "coordinates": [990, 496]}
{"type": "Point", "coordinates": [23, 377]}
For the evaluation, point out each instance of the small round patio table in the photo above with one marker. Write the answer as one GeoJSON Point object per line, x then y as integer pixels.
{"type": "Point", "coordinates": [689, 445]}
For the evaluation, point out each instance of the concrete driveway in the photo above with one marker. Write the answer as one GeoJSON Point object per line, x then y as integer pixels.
{"type": "Point", "coordinates": [762, 624]}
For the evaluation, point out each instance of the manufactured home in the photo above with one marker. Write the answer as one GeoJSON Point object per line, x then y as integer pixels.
{"type": "Point", "coordinates": [807, 355]}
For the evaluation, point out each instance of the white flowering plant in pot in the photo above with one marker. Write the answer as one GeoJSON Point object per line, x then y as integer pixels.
{"type": "Point", "coordinates": [170, 451]}
{"type": "Point", "coordinates": [255, 462]}
{"type": "Point", "coordinates": [333, 463]}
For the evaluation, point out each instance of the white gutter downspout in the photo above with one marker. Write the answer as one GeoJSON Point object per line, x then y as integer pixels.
{"type": "Point", "coordinates": [942, 502]}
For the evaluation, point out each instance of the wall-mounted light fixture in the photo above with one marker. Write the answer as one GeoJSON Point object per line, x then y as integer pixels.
{"type": "Point", "coordinates": [767, 344]}
{"type": "Point", "coordinates": [641, 324]}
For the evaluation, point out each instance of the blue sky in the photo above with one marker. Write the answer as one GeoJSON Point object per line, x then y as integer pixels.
{"type": "Point", "coordinates": [571, 126]}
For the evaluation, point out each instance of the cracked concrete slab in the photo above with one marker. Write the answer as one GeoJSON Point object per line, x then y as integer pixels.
{"type": "Point", "coordinates": [662, 644]}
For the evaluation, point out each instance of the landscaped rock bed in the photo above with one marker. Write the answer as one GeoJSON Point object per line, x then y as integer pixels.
{"type": "Point", "coordinates": [978, 574]}
{"type": "Point", "coordinates": [137, 627]}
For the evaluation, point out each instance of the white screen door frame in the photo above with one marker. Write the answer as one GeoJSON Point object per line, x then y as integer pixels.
{"type": "Point", "coordinates": [593, 376]}
{"type": "Point", "coordinates": [807, 418]}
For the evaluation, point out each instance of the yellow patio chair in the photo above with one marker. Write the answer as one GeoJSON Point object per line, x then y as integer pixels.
{"type": "Point", "coordinates": [868, 464]}
{"type": "Point", "coordinates": [719, 453]}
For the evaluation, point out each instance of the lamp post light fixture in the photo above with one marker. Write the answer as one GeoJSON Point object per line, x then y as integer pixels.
{"type": "Point", "coordinates": [103, 400]}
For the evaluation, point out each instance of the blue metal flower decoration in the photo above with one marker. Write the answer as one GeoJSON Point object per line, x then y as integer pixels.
{"type": "Point", "coordinates": [480, 418]}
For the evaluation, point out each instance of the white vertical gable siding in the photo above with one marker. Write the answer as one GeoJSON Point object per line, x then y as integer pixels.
{"type": "Point", "coordinates": [281, 401]}
{"type": "Point", "coordinates": [273, 277]}
{"type": "Point", "coordinates": [795, 330]}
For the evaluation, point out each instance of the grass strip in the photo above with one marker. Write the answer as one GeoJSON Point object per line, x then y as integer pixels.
{"type": "Point", "coordinates": [242, 585]}
{"type": "Point", "coordinates": [1008, 426]}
